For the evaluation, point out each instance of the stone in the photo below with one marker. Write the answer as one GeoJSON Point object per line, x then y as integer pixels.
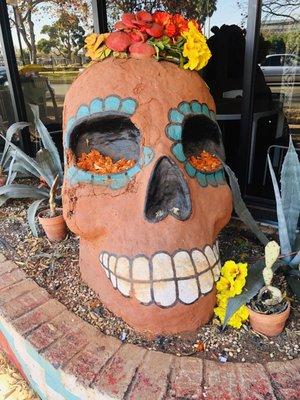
{"type": "Point", "coordinates": [50, 331]}
{"type": "Point", "coordinates": [186, 379]}
{"type": "Point", "coordinates": [118, 374]}
{"type": "Point", "coordinates": [25, 303]}
{"type": "Point", "coordinates": [89, 361]}
{"type": "Point", "coordinates": [64, 348]}
{"type": "Point", "coordinates": [16, 290]}
{"type": "Point", "coordinates": [285, 377]}
{"type": "Point", "coordinates": [34, 318]}
{"type": "Point", "coordinates": [7, 266]}
{"type": "Point", "coordinates": [235, 382]}
{"type": "Point", "coordinates": [9, 278]}
{"type": "Point", "coordinates": [151, 379]}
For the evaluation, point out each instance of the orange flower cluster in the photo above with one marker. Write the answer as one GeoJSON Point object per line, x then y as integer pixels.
{"type": "Point", "coordinates": [97, 163]}
{"type": "Point", "coordinates": [205, 162]}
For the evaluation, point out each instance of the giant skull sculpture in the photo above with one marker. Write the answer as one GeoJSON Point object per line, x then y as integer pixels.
{"type": "Point", "coordinates": [147, 235]}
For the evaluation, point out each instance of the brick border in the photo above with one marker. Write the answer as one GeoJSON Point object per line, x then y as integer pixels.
{"type": "Point", "coordinates": [65, 358]}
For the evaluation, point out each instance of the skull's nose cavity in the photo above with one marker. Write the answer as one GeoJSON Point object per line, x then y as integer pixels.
{"type": "Point", "coordinates": [167, 193]}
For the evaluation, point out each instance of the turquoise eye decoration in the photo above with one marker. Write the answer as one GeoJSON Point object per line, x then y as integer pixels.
{"type": "Point", "coordinates": [105, 125]}
{"type": "Point", "coordinates": [192, 125]}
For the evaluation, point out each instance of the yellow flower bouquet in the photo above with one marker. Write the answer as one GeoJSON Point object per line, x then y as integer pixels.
{"type": "Point", "coordinates": [231, 283]}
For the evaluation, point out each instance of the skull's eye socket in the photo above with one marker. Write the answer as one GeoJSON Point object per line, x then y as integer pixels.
{"type": "Point", "coordinates": [201, 133]}
{"type": "Point", "coordinates": [112, 135]}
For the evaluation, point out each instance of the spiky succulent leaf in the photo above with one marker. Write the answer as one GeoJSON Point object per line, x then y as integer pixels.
{"type": "Point", "coordinates": [282, 226]}
{"type": "Point", "coordinates": [45, 161]}
{"type": "Point", "coordinates": [11, 173]}
{"type": "Point", "coordinates": [3, 200]}
{"type": "Point", "coordinates": [240, 207]}
{"type": "Point", "coordinates": [31, 215]}
{"type": "Point", "coordinates": [26, 159]}
{"type": "Point", "coordinates": [18, 191]}
{"type": "Point", "coordinates": [47, 141]}
{"type": "Point", "coordinates": [11, 131]}
{"type": "Point", "coordinates": [254, 282]}
{"type": "Point", "coordinates": [290, 191]}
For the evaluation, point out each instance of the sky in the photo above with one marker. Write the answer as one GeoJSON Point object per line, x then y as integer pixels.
{"type": "Point", "coordinates": [227, 12]}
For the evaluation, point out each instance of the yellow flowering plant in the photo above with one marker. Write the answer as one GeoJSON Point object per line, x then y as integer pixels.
{"type": "Point", "coordinates": [231, 283]}
{"type": "Point", "coordinates": [165, 36]}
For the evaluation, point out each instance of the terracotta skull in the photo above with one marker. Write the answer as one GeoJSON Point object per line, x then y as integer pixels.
{"type": "Point", "coordinates": [148, 234]}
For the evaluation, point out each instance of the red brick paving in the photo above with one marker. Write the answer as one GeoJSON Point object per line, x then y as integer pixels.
{"type": "Point", "coordinates": [285, 377]}
{"type": "Point", "coordinates": [124, 371]}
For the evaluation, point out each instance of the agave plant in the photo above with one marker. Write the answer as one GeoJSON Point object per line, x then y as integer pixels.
{"type": "Point", "coordinates": [288, 212]}
{"type": "Point", "coordinates": [46, 167]}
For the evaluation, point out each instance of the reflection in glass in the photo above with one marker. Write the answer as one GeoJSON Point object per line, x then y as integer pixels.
{"type": "Point", "coordinates": [279, 61]}
{"type": "Point", "coordinates": [49, 39]}
{"type": "Point", "coordinates": [6, 109]}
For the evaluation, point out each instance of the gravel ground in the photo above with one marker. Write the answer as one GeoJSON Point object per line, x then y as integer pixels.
{"type": "Point", "coordinates": [55, 267]}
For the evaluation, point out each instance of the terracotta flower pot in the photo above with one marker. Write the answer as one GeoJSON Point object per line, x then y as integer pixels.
{"type": "Point", "coordinates": [2, 180]}
{"type": "Point", "coordinates": [269, 325]}
{"type": "Point", "coordinates": [54, 227]}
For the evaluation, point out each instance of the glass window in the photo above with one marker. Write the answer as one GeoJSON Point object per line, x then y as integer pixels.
{"type": "Point", "coordinates": [277, 109]}
{"type": "Point", "coordinates": [6, 109]}
{"type": "Point", "coordinates": [48, 39]}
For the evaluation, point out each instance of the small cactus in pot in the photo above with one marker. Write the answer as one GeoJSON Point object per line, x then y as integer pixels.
{"type": "Point", "coordinates": [270, 309]}
{"type": "Point", "coordinates": [52, 219]}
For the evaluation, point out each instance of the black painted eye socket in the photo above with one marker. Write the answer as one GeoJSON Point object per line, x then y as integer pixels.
{"type": "Point", "coordinates": [168, 193]}
{"type": "Point", "coordinates": [112, 135]}
{"type": "Point", "coordinates": [201, 133]}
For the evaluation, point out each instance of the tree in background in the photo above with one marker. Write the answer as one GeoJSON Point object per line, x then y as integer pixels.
{"type": "Point", "coordinates": [65, 37]}
{"type": "Point", "coordinates": [192, 9]}
{"type": "Point", "coordinates": [22, 12]}
{"type": "Point", "coordinates": [284, 9]}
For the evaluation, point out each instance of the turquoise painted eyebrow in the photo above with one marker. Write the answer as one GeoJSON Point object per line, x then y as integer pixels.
{"type": "Point", "coordinates": [110, 105]}
{"type": "Point", "coordinates": [174, 131]}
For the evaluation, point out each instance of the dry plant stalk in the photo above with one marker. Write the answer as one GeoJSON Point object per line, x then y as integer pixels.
{"type": "Point", "coordinates": [52, 195]}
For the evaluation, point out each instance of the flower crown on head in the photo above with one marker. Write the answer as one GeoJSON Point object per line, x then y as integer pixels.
{"type": "Point", "coordinates": [168, 37]}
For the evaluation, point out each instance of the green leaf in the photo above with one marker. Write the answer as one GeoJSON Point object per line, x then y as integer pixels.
{"type": "Point", "coordinates": [254, 282]}
{"type": "Point", "coordinates": [296, 260]}
{"type": "Point", "coordinates": [282, 226]}
{"type": "Point", "coordinates": [31, 214]}
{"type": "Point", "coordinates": [14, 128]}
{"type": "Point", "coordinates": [241, 208]}
{"type": "Point", "coordinates": [25, 158]}
{"type": "Point", "coordinates": [47, 141]}
{"type": "Point", "coordinates": [45, 161]}
{"type": "Point", "coordinates": [290, 191]}
{"type": "Point", "coordinates": [11, 173]}
{"type": "Point", "coordinates": [294, 284]}
{"type": "Point", "coordinates": [3, 200]}
{"type": "Point", "coordinates": [18, 191]}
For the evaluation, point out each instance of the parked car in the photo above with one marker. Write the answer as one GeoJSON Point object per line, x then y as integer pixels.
{"type": "Point", "coordinates": [277, 65]}
{"type": "Point", "coordinates": [3, 76]}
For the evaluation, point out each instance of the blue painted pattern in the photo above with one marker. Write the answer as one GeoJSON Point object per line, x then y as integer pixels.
{"type": "Point", "coordinates": [114, 181]}
{"type": "Point", "coordinates": [42, 376]}
{"type": "Point", "coordinates": [174, 132]}
{"type": "Point", "coordinates": [113, 105]}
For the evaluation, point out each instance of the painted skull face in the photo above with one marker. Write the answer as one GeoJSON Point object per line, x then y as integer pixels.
{"type": "Point", "coordinates": [147, 233]}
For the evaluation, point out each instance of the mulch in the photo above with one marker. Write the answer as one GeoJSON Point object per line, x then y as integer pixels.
{"type": "Point", "coordinates": [54, 266]}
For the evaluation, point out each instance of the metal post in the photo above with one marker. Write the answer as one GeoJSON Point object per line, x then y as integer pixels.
{"type": "Point", "coordinates": [252, 42]}
{"type": "Point", "coordinates": [99, 16]}
{"type": "Point", "coordinates": [15, 87]}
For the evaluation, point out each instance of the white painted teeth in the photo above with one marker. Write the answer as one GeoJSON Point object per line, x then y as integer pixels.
{"type": "Point", "coordinates": [164, 279]}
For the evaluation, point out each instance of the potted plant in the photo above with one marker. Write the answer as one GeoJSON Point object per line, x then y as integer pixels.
{"type": "Point", "coordinates": [2, 176]}
{"type": "Point", "coordinates": [288, 213]}
{"type": "Point", "coordinates": [45, 167]}
{"type": "Point", "coordinates": [52, 219]}
{"type": "Point", "coordinates": [269, 309]}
